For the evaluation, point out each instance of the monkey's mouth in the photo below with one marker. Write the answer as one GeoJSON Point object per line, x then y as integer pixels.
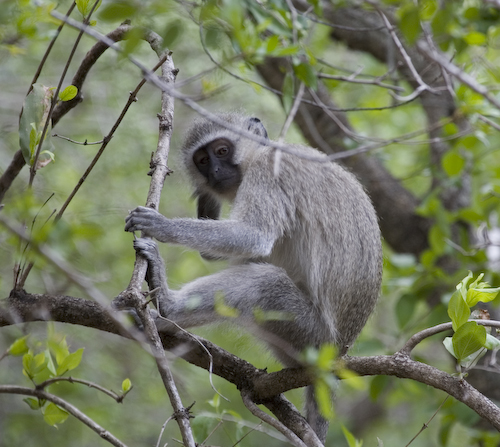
{"type": "Point", "coordinates": [224, 183]}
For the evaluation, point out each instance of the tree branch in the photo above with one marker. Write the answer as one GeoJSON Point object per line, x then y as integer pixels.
{"type": "Point", "coordinates": [40, 394]}
{"type": "Point", "coordinates": [263, 387]}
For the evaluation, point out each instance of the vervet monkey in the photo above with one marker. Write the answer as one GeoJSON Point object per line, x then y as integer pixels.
{"type": "Point", "coordinates": [304, 245]}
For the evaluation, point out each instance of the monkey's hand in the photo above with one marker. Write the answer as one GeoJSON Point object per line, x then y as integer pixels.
{"type": "Point", "coordinates": [148, 220]}
{"type": "Point", "coordinates": [147, 248]}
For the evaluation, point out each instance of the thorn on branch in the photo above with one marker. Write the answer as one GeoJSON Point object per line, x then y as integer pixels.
{"type": "Point", "coordinates": [185, 413]}
{"type": "Point", "coordinates": [153, 164]}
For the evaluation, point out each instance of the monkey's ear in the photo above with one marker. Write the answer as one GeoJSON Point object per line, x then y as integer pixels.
{"type": "Point", "coordinates": [208, 207]}
{"type": "Point", "coordinates": [255, 125]}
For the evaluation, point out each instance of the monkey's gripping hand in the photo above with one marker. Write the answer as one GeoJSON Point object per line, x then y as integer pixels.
{"type": "Point", "coordinates": [155, 276]}
{"type": "Point", "coordinates": [149, 221]}
{"type": "Point", "coordinates": [147, 248]}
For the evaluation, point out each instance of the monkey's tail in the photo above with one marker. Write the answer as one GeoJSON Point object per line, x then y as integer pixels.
{"type": "Point", "coordinates": [317, 422]}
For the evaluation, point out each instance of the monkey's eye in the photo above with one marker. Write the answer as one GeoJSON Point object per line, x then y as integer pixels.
{"type": "Point", "coordinates": [204, 161]}
{"type": "Point", "coordinates": [221, 151]}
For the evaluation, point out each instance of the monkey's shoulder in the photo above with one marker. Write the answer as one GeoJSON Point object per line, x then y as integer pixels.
{"type": "Point", "coordinates": [298, 167]}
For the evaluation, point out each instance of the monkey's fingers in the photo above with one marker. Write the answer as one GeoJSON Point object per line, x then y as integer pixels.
{"type": "Point", "coordinates": [146, 248]}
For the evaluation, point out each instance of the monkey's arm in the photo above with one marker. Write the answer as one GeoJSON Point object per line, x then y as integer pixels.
{"type": "Point", "coordinates": [219, 238]}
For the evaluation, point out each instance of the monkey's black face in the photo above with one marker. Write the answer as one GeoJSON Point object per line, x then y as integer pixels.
{"type": "Point", "coordinates": [215, 161]}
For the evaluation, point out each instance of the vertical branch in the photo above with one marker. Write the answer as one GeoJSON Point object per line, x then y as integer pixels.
{"type": "Point", "coordinates": [159, 170]}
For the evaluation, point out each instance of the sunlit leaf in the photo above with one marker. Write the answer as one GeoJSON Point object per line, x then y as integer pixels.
{"type": "Point", "coordinates": [19, 347]}
{"type": "Point", "coordinates": [458, 311]}
{"type": "Point", "coordinates": [53, 415]}
{"type": "Point", "coordinates": [70, 362]}
{"type": "Point", "coordinates": [480, 291]}
{"type": "Point", "coordinates": [469, 338]}
{"type": "Point", "coordinates": [126, 385]}
{"type": "Point", "coordinates": [491, 342]}
{"type": "Point", "coordinates": [68, 93]}
{"type": "Point", "coordinates": [323, 395]}
{"type": "Point", "coordinates": [475, 38]}
{"type": "Point", "coordinates": [453, 163]}
{"type": "Point", "coordinates": [351, 440]}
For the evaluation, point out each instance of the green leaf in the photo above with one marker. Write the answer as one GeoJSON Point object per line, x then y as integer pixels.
{"type": "Point", "coordinates": [119, 11]}
{"type": "Point", "coordinates": [405, 307]}
{"type": "Point", "coordinates": [70, 362]}
{"type": "Point", "coordinates": [483, 295]}
{"type": "Point", "coordinates": [377, 385]}
{"type": "Point", "coordinates": [458, 310]}
{"type": "Point", "coordinates": [448, 344]}
{"type": "Point", "coordinates": [126, 385]}
{"type": "Point", "coordinates": [215, 402]}
{"type": "Point", "coordinates": [54, 415]}
{"type": "Point", "coordinates": [59, 347]}
{"type": "Point", "coordinates": [35, 112]}
{"type": "Point", "coordinates": [437, 239]}
{"type": "Point", "coordinates": [272, 43]}
{"type": "Point", "coordinates": [351, 440]}
{"type": "Point", "coordinates": [19, 347]}
{"type": "Point", "coordinates": [462, 285]}
{"type": "Point", "coordinates": [491, 342]}
{"type": "Point", "coordinates": [323, 395]}
{"type": "Point", "coordinates": [171, 33]}
{"type": "Point", "coordinates": [453, 163]}
{"type": "Point", "coordinates": [286, 51]}
{"type": "Point", "coordinates": [68, 93]}
{"type": "Point", "coordinates": [410, 23]}
{"type": "Point", "coordinates": [469, 338]}
{"type": "Point", "coordinates": [34, 404]}
{"type": "Point", "coordinates": [428, 8]}
{"type": "Point", "coordinates": [50, 363]}
{"type": "Point", "coordinates": [33, 364]}
{"type": "Point", "coordinates": [480, 291]}
{"type": "Point", "coordinates": [85, 6]}
{"type": "Point", "coordinates": [475, 38]}
{"type": "Point", "coordinates": [306, 74]}
{"type": "Point", "coordinates": [352, 379]}
{"type": "Point", "coordinates": [326, 356]}
{"type": "Point", "coordinates": [133, 39]}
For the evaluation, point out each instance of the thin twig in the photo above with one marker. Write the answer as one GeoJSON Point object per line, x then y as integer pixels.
{"type": "Point", "coordinates": [163, 430]}
{"type": "Point", "coordinates": [401, 49]}
{"type": "Point", "coordinates": [257, 412]}
{"type": "Point", "coordinates": [354, 80]}
{"type": "Point", "coordinates": [83, 143]}
{"type": "Point", "coordinates": [286, 126]}
{"type": "Point", "coordinates": [459, 74]}
{"type": "Point", "coordinates": [197, 341]}
{"type": "Point", "coordinates": [426, 424]}
{"type": "Point", "coordinates": [106, 140]}
{"type": "Point", "coordinates": [56, 95]}
{"type": "Point", "coordinates": [40, 394]}
{"type": "Point", "coordinates": [49, 49]}
{"type": "Point", "coordinates": [426, 333]}
{"type": "Point", "coordinates": [117, 397]}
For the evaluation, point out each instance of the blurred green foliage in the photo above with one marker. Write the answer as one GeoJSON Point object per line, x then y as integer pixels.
{"type": "Point", "coordinates": [90, 237]}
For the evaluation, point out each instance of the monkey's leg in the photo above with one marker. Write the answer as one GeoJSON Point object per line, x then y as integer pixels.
{"type": "Point", "coordinates": [263, 297]}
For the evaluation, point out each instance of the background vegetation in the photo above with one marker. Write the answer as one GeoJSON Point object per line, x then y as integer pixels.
{"type": "Point", "coordinates": [429, 128]}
